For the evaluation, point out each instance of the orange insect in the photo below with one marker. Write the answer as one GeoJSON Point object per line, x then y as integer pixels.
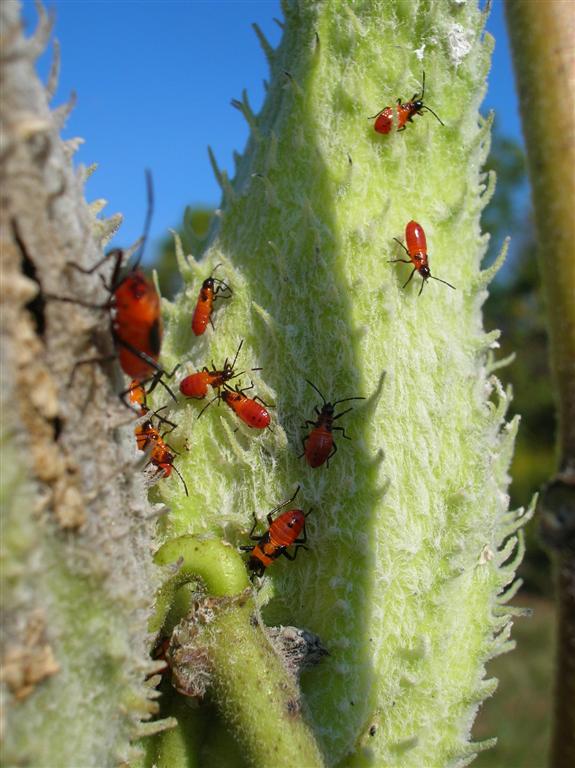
{"type": "Point", "coordinates": [319, 446]}
{"type": "Point", "coordinates": [283, 532]}
{"type": "Point", "coordinates": [404, 113]}
{"type": "Point", "coordinates": [196, 385]}
{"type": "Point", "coordinates": [161, 456]}
{"type": "Point", "coordinates": [209, 292]}
{"type": "Point", "coordinates": [135, 312]}
{"type": "Point", "coordinates": [250, 410]}
{"type": "Point", "coordinates": [417, 252]}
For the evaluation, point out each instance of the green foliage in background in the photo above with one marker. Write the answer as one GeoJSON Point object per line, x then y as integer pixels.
{"type": "Point", "coordinates": [523, 702]}
{"type": "Point", "coordinates": [193, 234]}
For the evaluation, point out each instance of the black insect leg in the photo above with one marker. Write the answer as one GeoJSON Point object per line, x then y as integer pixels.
{"type": "Point", "coordinates": [286, 554]}
{"type": "Point", "coordinates": [409, 278]}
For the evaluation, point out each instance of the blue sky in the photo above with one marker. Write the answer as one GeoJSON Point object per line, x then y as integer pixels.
{"type": "Point", "coordinates": [154, 82]}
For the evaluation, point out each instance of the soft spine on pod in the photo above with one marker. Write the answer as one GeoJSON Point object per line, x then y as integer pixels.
{"type": "Point", "coordinates": [413, 551]}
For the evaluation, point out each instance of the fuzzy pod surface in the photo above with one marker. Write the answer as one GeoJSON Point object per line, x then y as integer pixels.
{"type": "Point", "coordinates": [412, 547]}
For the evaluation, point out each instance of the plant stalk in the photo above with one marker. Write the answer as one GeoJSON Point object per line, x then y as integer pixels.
{"type": "Point", "coordinates": [543, 44]}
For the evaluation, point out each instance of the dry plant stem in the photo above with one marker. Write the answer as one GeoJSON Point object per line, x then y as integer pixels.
{"type": "Point", "coordinates": [76, 575]}
{"type": "Point", "coordinates": [543, 43]}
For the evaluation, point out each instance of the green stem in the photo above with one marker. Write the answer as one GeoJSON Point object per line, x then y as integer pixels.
{"type": "Point", "coordinates": [543, 43]}
{"type": "Point", "coordinates": [217, 565]}
{"type": "Point", "coordinates": [179, 747]}
{"type": "Point", "coordinates": [256, 695]}
{"type": "Point", "coordinates": [253, 690]}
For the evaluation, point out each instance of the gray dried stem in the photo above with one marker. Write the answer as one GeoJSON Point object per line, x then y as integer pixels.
{"type": "Point", "coordinates": [76, 531]}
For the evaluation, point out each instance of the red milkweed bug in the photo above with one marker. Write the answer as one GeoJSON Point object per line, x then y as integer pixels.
{"type": "Point", "coordinates": [160, 454]}
{"type": "Point", "coordinates": [196, 385]}
{"type": "Point", "coordinates": [209, 292]}
{"type": "Point", "coordinates": [417, 252]}
{"type": "Point", "coordinates": [283, 532]}
{"type": "Point", "coordinates": [135, 312]}
{"type": "Point", "coordinates": [319, 446]}
{"type": "Point", "coordinates": [250, 410]}
{"type": "Point", "coordinates": [404, 112]}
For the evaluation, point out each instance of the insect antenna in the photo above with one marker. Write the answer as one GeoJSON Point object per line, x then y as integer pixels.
{"type": "Point", "coordinates": [232, 366]}
{"type": "Point", "coordinates": [317, 390]}
{"type": "Point", "coordinates": [433, 113]}
{"type": "Point", "coordinates": [422, 97]}
{"type": "Point", "coordinates": [148, 220]}
{"type": "Point", "coordinates": [346, 399]}
{"type": "Point", "coordinates": [443, 281]}
{"type": "Point", "coordinates": [213, 400]}
{"type": "Point", "coordinates": [221, 282]}
{"type": "Point", "coordinates": [181, 478]}
{"type": "Point", "coordinates": [163, 420]}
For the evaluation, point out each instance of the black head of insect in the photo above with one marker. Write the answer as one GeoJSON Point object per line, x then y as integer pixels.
{"type": "Point", "coordinates": [426, 275]}
{"type": "Point", "coordinates": [211, 281]}
{"type": "Point", "coordinates": [256, 566]}
{"type": "Point", "coordinates": [328, 408]}
{"type": "Point", "coordinates": [417, 102]}
{"type": "Point", "coordinates": [227, 372]}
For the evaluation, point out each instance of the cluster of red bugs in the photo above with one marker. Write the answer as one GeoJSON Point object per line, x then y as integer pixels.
{"type": "Point", "coordinates": [134, 308]}
{"type": "Point", "coordinates": [148, 438]}
{"type": "Point", "coordinates": [288, 528]}
{"type": "Point", "coordinates": [251, 410]}
{"type": "Point", "coordinates": [319, 446]}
